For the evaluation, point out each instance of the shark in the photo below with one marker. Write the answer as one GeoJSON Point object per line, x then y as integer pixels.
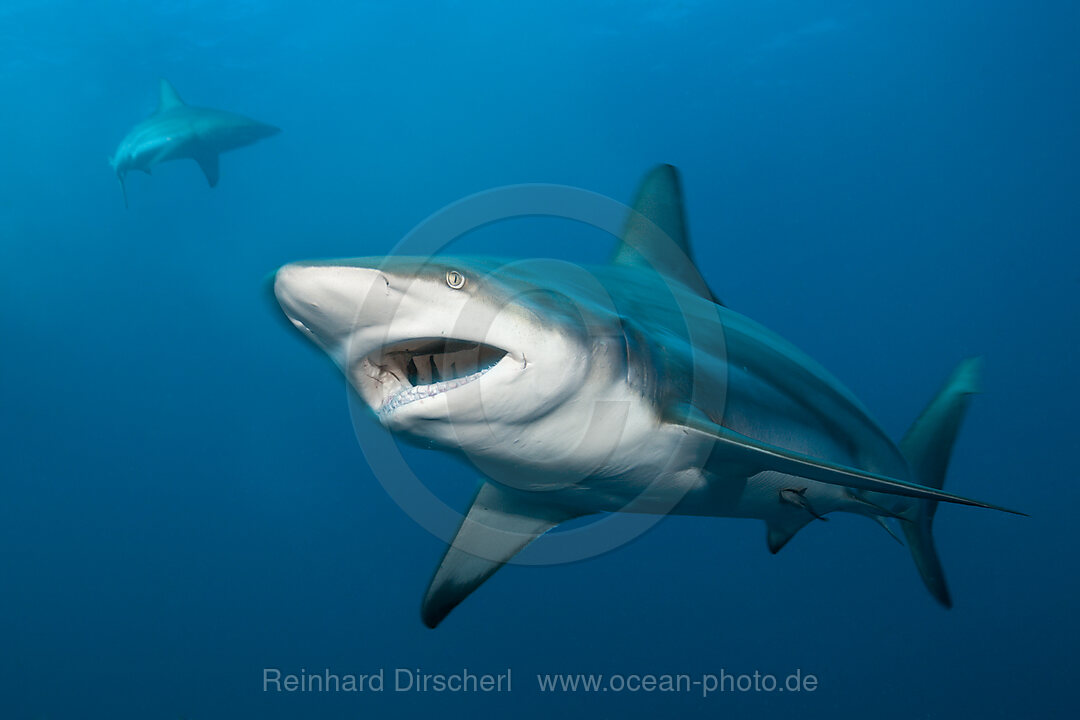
{"type": "Point", "coordinates": [627, 389]}
{"type": "Point", "coordinates": [177, 131]}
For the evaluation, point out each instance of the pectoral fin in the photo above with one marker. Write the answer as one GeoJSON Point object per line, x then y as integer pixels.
{"type": "Point", "coordinates": [499, 524]}
{"type": "Point", "coordinates": [123, 188]}
{"type": "Point", "coordinates": [757, 456]}
{"type": "Point", "coordinates": [209, 164]}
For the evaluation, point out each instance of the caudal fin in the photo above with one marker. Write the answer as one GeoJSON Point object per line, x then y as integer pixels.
{"type": "Point", "coordinates": [927, 447]}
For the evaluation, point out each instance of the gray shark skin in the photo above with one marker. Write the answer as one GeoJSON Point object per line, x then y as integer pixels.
{"type": "Point", "coordinates": [626, 389]}
{"type": "Point", "coordinates": [177, 131]}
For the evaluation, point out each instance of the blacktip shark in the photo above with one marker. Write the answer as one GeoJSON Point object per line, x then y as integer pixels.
{"type": "Point", "coordinates": [177, 131]}
{"type": "Point", "coordinates": [507, 365]}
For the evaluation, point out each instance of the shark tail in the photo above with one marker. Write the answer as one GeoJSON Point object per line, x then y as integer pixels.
{"type": "Point", "coordinates": [927, 447]}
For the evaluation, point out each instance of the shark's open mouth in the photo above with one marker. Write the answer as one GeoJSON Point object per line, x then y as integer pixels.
{"type": "Point", "coordinates": [411, 370]}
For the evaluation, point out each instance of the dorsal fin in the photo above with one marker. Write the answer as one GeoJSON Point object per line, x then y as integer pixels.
{"type": "Point", "coordinates": [655, 232]}
{"type": "Point", "coordinates": [169, 98]}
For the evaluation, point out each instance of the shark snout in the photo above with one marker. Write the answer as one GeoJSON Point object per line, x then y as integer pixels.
{"type": "Point", "coordinates": [303, 293]}
{"type": "Point", "coordinates": [328, 303]}
{"type": "Point", "coordinates": [287, 287]}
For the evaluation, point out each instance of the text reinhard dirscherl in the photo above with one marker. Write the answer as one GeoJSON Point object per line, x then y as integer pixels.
{"type": "Point", "coordinates": [466, 681]}
{"type": "Point", "coordinates": [395, 679]}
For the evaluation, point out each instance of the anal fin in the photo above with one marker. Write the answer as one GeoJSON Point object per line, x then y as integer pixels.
{"type": "Point", "coordinates": [887, 527]}
{"type": "Point", "coordinates": [500, 523]}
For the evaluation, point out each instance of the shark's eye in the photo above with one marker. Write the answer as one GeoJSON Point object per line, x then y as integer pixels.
{"type": "Point", "coordinates": [455, 279]}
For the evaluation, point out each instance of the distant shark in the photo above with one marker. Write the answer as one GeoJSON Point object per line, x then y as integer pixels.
{"type": "Point", "coordinates": [509, 366]}
{"type": "Point", "coordinates": [177, 130]}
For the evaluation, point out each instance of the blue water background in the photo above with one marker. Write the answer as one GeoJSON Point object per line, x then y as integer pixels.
{"type": "Point", "coordinates": [893, 186]}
